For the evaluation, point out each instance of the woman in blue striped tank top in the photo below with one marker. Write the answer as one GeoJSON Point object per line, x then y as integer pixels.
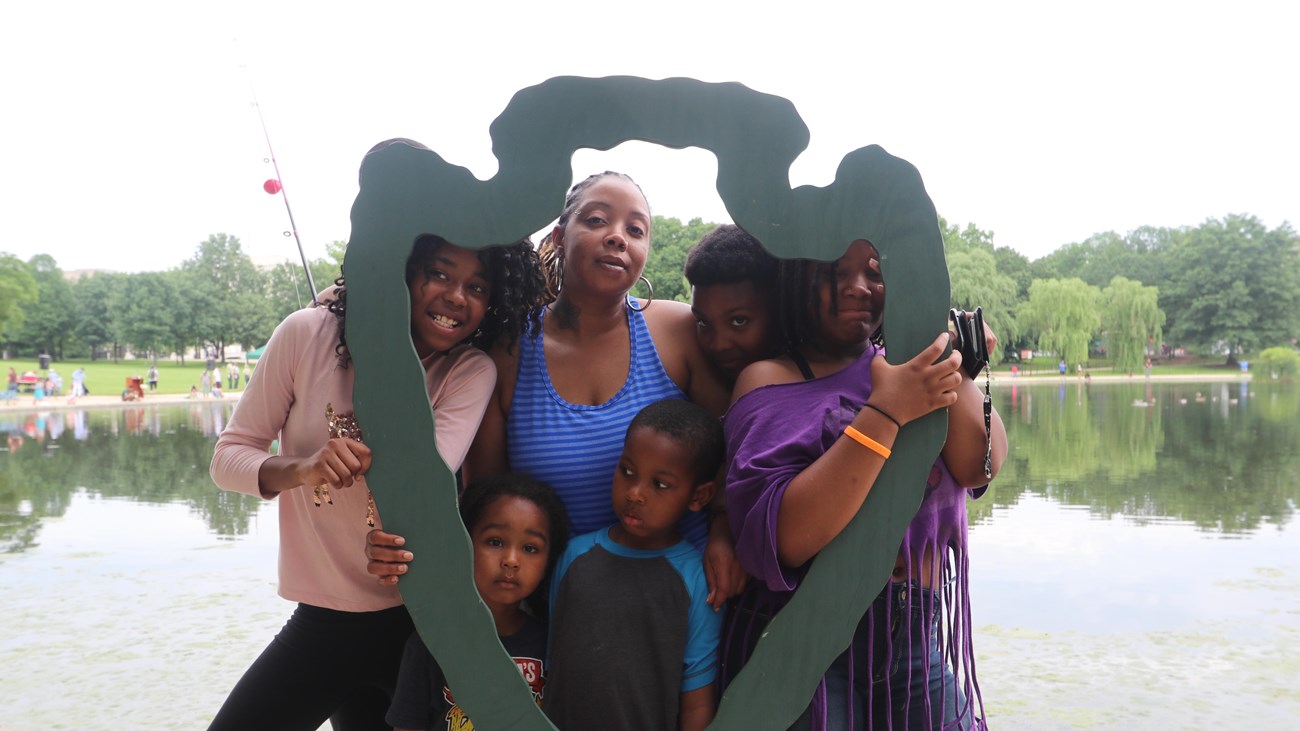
{"type": "Point", "coordinates": [565, 397]}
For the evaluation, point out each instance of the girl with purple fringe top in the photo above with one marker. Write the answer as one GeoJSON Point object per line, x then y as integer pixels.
{"type": "Point", "coordinates": [794, 483]}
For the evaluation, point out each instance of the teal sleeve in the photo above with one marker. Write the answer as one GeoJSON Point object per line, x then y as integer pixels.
{"type": "Point", "coordinates": [700, 665]}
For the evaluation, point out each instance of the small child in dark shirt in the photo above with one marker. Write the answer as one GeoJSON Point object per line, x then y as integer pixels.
{"type": "Point", "coordinates": [634, 643]}
{"type": "Point", "coordinates": [518, 529]}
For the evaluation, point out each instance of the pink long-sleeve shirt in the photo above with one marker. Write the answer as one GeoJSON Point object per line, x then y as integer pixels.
{"type": "Point", "coordinates": [322, 550]}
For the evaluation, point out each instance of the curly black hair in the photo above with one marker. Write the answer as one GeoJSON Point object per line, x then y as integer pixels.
{"type": "Point", "coordinates": [479, 495]}
{"type": "Point", "coordinates": [518, 292]}
{"type": "Point", "coordinates": [691, 427]}
{"type": "Point", "coordinates": [797, 282]}
{"type": "Point", "coordinates": [727, 255]}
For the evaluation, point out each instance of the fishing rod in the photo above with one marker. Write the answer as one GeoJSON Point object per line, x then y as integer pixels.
{"type": "Point", "coordinates": [276, 185]}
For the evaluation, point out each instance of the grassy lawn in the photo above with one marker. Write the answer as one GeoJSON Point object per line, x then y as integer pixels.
{"type": "Point", "coordinates": [104, 377]}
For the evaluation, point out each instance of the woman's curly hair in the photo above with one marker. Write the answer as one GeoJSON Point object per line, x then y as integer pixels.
{"type": "Point", "coordinates": [514, 304]}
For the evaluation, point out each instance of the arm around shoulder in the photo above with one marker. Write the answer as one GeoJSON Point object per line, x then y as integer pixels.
{"type": "Point", "coordinates": [487, 454]}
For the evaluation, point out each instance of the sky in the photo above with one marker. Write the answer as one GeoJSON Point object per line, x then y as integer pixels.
{"type": "Point", "coordinates": [129, 132]}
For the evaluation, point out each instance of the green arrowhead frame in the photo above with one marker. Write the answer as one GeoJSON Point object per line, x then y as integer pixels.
{"type": "Point", "coordinates": [406, 192]}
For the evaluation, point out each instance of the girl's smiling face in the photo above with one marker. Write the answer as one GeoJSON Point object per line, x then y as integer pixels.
{"type": "Point", "coordinates": [850, 297]}
{"type": "Point", "coordinates": [511, 546]}
{"type": "Point", "coordinates": [450, 293]}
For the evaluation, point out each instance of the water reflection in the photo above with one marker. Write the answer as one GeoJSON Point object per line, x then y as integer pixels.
{"type": "Point", "coordinates": [1105, 595]}
{"type": "Point", "coordinates": [1221, 456]}
{"type": "Point", "coordinates": [144, 454]}
{"type": "Point", "coordinates": [1135, 564]}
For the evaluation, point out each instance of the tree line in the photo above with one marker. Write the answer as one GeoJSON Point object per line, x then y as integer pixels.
{"type": "Point", "coordinates": [1225, 287]}
{"type": "Point", "coordinates": [216, 298]}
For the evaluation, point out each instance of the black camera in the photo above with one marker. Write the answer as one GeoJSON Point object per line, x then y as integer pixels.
{"type": "Point", "coordinates": [970, 340]}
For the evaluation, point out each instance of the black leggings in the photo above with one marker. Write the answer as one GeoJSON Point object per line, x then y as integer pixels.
{"type": "Point", "coordinates": [323, 664]}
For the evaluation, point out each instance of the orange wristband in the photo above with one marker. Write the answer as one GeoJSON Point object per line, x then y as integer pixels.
{"type": "Point", "coordinates": [867, 442]}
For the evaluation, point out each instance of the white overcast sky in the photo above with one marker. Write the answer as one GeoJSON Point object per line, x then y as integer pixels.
{"type": "Point", "coordinates": [128, 135]}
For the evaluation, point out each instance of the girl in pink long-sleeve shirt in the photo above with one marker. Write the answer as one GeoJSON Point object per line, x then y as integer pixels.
{"type": "Point", "coordinates": [337, 656]}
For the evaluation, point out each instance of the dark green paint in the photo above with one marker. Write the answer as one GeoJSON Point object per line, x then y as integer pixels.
{"type": "Point", "coordinates": [406, 192]}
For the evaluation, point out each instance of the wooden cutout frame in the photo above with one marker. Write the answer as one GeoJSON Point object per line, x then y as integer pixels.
{"type": "Point", "coordinates": [406, 192]}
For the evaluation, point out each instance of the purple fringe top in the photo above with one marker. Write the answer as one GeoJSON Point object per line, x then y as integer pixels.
{"type": "Point", "coordinates": [773, 433]}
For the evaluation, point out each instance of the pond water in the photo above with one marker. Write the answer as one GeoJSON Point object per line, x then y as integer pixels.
{"type": "Point", "coordinates": [1136, 565]}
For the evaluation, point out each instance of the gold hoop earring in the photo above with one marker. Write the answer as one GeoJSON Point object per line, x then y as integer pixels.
{"type": "Point", "coordinates": [649, 297]}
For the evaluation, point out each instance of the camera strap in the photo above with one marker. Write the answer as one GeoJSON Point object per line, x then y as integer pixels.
{"type": "Point", "coordinates": [988, 423]}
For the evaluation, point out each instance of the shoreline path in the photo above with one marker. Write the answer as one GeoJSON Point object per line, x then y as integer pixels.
{"type": "Point", "coordinates": [24, 402]}
{"type": "Point", "coordinates": [60, 403]}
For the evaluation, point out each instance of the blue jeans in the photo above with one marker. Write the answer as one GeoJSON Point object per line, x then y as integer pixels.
{"type": "Point", "coordinates": [884, 684]}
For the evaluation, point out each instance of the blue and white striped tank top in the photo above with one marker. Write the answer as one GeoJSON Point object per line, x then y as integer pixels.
{"type": "Point", "coordinates": [575, 447]}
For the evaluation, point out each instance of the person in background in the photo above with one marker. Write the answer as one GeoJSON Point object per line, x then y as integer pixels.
{"type": "Point", "coordinates": [78, 385]}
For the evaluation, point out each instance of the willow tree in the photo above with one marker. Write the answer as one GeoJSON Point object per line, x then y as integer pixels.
{"type": "Point", "coordinates": [1131, 318]}
{"type": "Point", "coordinates": [976, 282]}
{"type": "Point", "coordinates": [17, 291]}
{"type": "Point", "coordinates": [1063, 315]}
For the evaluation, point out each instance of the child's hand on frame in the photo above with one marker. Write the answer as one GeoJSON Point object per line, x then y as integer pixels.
{"type": "Point", "coordinates": [387, 559]}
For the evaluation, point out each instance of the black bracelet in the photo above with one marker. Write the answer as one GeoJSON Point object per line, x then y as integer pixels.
{"type": "Point", "coordinates": [883, 413]}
